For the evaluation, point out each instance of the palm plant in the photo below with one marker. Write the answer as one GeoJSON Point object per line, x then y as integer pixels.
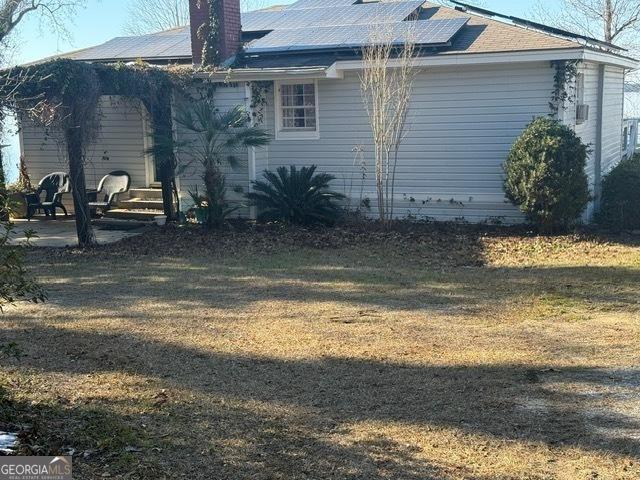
{"type": "Point", "coordinates": [218, 140]}
{"type": "Point", "coordinates": [297, 196]}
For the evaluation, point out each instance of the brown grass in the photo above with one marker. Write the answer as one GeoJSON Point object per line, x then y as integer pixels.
{"type": "Point", "coordinates": [315, 363]}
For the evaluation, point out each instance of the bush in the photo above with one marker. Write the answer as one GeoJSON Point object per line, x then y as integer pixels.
{"type": "Point", "coordinates": [545, 174]}
{"type": "Point", "coordinates": [620, 207]}
{"type": "Point", "coordinates": [17, 284]}
{"type": "Point", "coordinates": [296, 196]}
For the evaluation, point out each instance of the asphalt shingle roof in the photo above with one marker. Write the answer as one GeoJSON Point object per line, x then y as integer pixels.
{"type": "Point", "coordinates": [479, 35]}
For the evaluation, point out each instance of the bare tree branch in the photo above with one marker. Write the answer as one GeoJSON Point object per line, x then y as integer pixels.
{"type": "Point", "coordinates": [149, 16]}
{"type": "Point", "coordinates": [386, 80]}
{"type": "Point", "coordinates": [56, 12]}
{"type": "Point", "coordinates": [615, 21]}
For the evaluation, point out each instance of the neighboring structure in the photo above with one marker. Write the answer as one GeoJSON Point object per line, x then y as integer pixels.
{"type": "Point", "coordinates": [483, 78]}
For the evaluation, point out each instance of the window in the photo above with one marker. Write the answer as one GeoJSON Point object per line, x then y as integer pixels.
{"type": "Point", "coordinates": [297, 113]}
{"type": "Point", "coordinates": [580, 89]}
{"type": "Point", "coordinates": [581, 113]}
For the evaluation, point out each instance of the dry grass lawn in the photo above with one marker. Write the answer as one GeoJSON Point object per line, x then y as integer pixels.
{"type": "Point", "coordinates": [340, 363]}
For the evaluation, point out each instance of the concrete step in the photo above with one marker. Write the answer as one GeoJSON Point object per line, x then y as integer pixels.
{"type": "Point", "coordinates": [129, 214]}
{"type": "Point", "coordinates": [141, 204]}
{"type": "Point", "coordinates": [146, 193]}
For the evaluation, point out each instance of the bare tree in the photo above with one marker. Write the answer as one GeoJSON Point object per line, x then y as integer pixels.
{"type": "Point", "coordinates": [386, 81]}
{"type": "Point", "coordinates": [614, 21]}
{"type": "Point", "coordinates": [148, 16]}
{"type": "Point", "coordinates": [12, 13]}
{"type": "Point", "coordinates": [56, 12]}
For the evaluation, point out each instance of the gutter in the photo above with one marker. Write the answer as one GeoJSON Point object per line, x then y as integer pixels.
{"type": "Point", "coordinates": [338, 68]}
{"type": "Point", "coordinates": [509, 57]}
{"type": "Point", "coordinates": [257, 74]}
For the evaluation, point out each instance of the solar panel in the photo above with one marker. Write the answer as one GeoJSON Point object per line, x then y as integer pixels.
{"type": "Point", "coordinates": [329, 16]}
{"type": "Point", "coordinates": [147, 46]}
{"type": "Point", "coordinates": [259, 20]}
{"type": "Point", "coordinates": [422, 32]}
{"type": "Point", "coordinates": [306, 4]}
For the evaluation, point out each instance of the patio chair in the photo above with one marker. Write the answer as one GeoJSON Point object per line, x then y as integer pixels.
{"type": "Point", "coordinates": [109, 188]}
{"type": "Point", "coordinates": [54, 186]}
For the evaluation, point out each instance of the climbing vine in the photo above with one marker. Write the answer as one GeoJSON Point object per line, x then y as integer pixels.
{"type": "Point", "coordinates": [566, 72]}
{"type": "Point", "coordinates": [259, 95]}
{"type": "Point", "coordinates": [63, 96]}
{"type": "Point", "coordinates": [210, 34]}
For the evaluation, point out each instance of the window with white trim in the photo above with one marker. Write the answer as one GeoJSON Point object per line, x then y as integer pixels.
{"type": "Point", "coordinates": [297, 110]}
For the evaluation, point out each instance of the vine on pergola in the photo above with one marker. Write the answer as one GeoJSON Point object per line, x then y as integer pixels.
{"type": "Point", "coordinates": [63, 96]}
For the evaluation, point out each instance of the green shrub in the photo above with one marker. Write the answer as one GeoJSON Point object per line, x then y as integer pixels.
{"type": "Point", "coordinates": [296, 196]}
{"type": "Point", "coordinates": [620, 206]}
{"type": "Point", "coordinates": [16, 283]}
{"type": "Point", "coordinates": [545, 174]}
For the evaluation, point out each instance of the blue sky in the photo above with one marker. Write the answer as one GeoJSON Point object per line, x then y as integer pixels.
{"type": "Point", "coordinates": [102, 20]}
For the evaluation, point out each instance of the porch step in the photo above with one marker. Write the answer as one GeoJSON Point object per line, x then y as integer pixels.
{"type": "Point", "coordinates": [141, 204]}
{"type": "Point", "coordinates": [146, 193]}
{"type": "Point", "coordinates": [144, 214]}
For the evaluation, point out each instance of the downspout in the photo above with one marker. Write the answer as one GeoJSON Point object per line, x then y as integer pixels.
{"type": "Point", "coordinates": [597, 177]}
{"type": "Point", "coordinates": [253, 211]}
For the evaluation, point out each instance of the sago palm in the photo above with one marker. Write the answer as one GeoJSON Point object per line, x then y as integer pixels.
{"type": "Point", "coordinates": [296, 196]}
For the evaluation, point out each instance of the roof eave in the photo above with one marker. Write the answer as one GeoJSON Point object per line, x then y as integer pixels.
{"type": "Point", "coordinates": [519, 56]}
{"type": "Point", "coordinates": [257, 74]}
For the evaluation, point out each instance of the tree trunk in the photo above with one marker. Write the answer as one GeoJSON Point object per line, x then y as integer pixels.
{"type": "Point", "coordinates": [167, 196]}
{"type": "Point", "coordinates": [4, 207]}
{"type": "Point", "coordinates": [86, 237]}
{"type": "Point", "coordinates": [608, 21]}
{"type": "Point", "coordinates": [213, 181]}
{"type": "Point", "coordinates": [165, 157]}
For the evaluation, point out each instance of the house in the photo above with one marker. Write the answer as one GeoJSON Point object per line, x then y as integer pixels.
{"type": "Point", "coordinates": [483, 77]}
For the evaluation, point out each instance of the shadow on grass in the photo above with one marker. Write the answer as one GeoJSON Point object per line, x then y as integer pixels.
{"type": "Point", "coordinates": [348, 277]}
{"type": "Point", "coordinates": [500, 401]}
{"type": "Point", "coordinates": [107, 443]}
{"type": "Point", "coordinates": [509, 402]}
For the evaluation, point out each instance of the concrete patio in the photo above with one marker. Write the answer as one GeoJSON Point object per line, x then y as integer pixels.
{"type": "Point", "coordinates": [61, 233]}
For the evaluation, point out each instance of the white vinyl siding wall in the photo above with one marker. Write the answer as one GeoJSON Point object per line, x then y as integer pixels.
{"type": "Point", "coordinates": [119, 146]}
{"type": "Point", "coordinates": [613, 117]}
{"type": "Point", "coordinates": [613, 108]}
{"type": "Point", "coordinates": [462, 124]}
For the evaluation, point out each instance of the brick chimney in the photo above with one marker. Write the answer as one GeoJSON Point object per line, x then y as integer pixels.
{"type": "Point", "coordinates": [228, 23]}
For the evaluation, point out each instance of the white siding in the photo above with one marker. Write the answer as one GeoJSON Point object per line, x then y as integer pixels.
{"type": "Point", "coordinates": [119, 146]}
{"type": "Point", "coordinates": [612, 119]}
{"type": "Point", "coordinates": [463, 122]}
{"type": "Point", "coordinates": [587, 131]}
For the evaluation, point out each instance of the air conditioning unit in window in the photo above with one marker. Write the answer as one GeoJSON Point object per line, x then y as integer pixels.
{"type": "Point", "coordinates": [582, 113]}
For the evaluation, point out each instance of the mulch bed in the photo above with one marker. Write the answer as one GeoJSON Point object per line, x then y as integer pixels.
{"type": "Point", "coordinates": [446, 244]}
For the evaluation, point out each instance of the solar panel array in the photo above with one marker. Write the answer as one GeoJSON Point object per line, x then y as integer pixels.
{"type": "Point", "coordinates": [303, 26]}
{"type": "Point", "coordinates": [332, 24]}
{"type": "Point", "coordinates": [163, 45]}
{"type": "Point", "coordinates": [329, 16]}
{"type": "Point", "coordinates": [302, 4]}
{"type": "Point", "coordinates": [423, 32]}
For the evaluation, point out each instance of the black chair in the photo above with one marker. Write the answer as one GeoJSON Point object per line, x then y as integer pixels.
{"type": "Point", "coordinates": [54, 186]}
{"type": "Point", "coordinates": [109, 188]}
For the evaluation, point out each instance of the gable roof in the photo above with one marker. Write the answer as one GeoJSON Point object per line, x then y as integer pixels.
{"type": "Point", "coordinates": [317, 31]}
